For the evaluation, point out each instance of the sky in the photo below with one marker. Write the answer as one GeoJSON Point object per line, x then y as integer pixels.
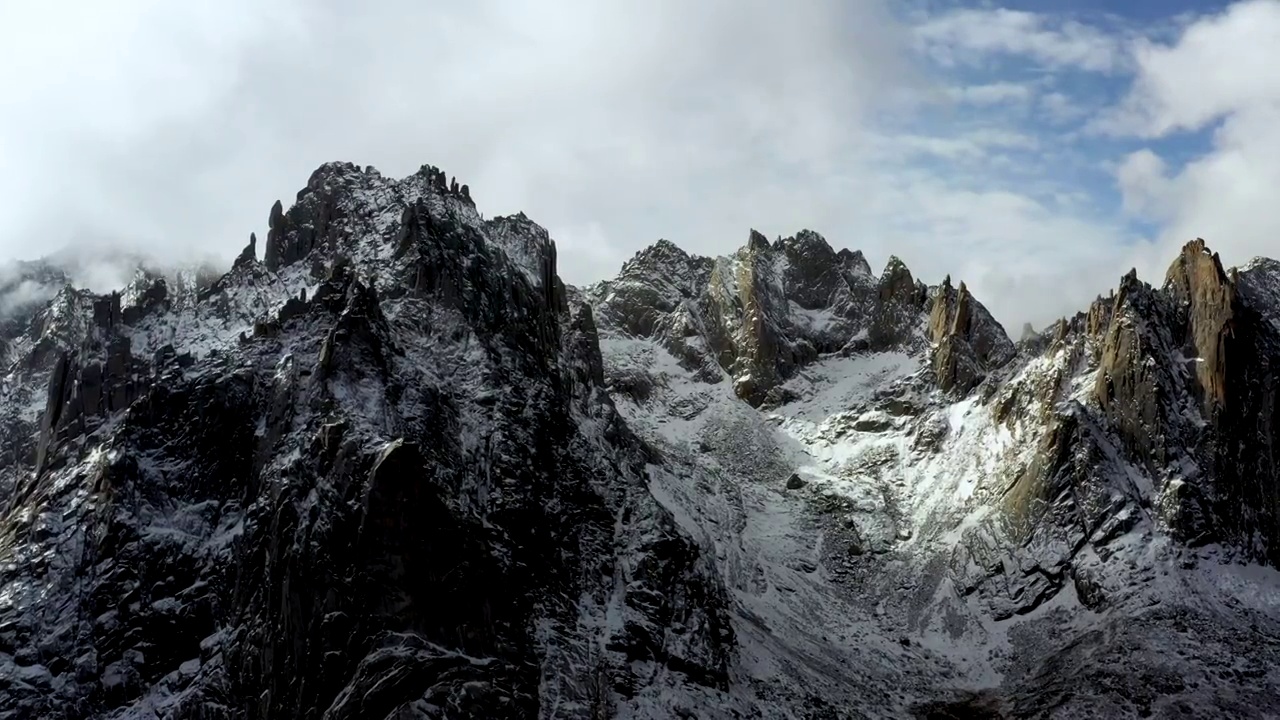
{"type": "Point", "coordinates": [1036, 149]}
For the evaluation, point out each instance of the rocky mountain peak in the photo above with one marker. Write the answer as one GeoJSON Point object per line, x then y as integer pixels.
{"type": "Point", "coordinates": [1204, 298]}
{"type": "Point", "coordinates": [757, 242]}
{"type": "Point", "coordinates": [397, 469]}
{"type": "Point", "coordinates": [968, 343]}
{"type": "Point", "coordinates": [900, 299]}
{"type": "Point", "coordinates": [275, 251]}
{"type": "Point", "coordinates": [896, 282]}
{"type": "Point", "coordinates": [664, 258]}
{"type": "Point", "coordinates": [814, 275]}
{"type": "Point", "coordinates": [249, 255]}
{"type": "Point", "coordinates": [855, 262]}
{"type": "Point", "coordinates": [805, 242]}
{"type": "Point", "coordinates": [762, 313]}
{"type": "Point", "coordinates": [322, 213]}
{"type": "Point", "coordinates": [1184, 378]}
{"type": "Point", "coordinates": [374, 475]}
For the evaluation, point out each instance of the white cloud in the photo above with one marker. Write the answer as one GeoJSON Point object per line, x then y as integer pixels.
{"type": "Point", "coordinates": [976, 144]}
{"type": "Point", "coordinates": [1143, 184]}
{"type": "Point", "coordinates": [1026, 259]}
{"type": "Point", "coordinates": [972, 35]}
{"type": "Point", "coordinates": [1219, 70]}
{"type": "Point", "coordinates": [1060, 108]}
{"type": "Point", "coordinates": [1219, 66]}
{"type": "Point", "coordinates": [991, 93]}
{"type": "Point", "coordinates": [172, 127]}
{"type": "Point", "coordinates": [22, 294]}
{"type": "Point", "coordinates": [169, 125]}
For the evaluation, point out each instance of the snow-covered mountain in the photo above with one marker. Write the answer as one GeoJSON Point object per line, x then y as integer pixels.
{"type": "Point", "coordinates": [392, 467]}
{"type": "Point", "coordinates": [932, 520]}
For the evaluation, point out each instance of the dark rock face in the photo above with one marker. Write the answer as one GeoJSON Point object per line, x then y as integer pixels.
{"type": "Point", "coordinates": [1186, 377]}
{"type": "Point", "coordinates": [81, 396]}
{"type": "Point", "coordinates": [1204, 300]}
{"type": "Point", "coordinates": [385, 473]}
{"type": "Point", "coordinates": [404, 494]}
{"type": "Point", "coordinates": [900, 301]}
{"type": "Point", "coordinates": [249, 256]}
{"type": "Point", "coordinates": [1132, 392]}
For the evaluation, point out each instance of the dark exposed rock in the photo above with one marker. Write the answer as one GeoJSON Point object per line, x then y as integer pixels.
{"type": "Point", "coordinates": [872, 424]}
{"type": "Point", "coordinates": [901, 302]}
{"type": "Point", "coordinates": [248, 256]}
{"type": "Point", "coordinates": [1132, 391]}
{"type": "Point", "coordinates": [974, 706]}
{"type": "Point", "coordinates": [106, 311]}
{"type": "Point", "coordinates": [276, 254]}
{"type": "Point", "coordinates": [85, 388]}
{"type": "Point", "coordinates": [761, 353]}
{"type": "Point", "coordinates": [390, 497]}
{"type": "Point", "coordinates": [406, 490]}
{"type": "Point", "coordinates": [814, 275]}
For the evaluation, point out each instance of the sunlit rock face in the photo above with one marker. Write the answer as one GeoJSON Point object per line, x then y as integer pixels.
{"type": "Point", "coordinates": [1187, 378]}
{"type": "Point", "coordinates": [396, 468]}
{"type": "Point", "coordinates": [923, 517]}
{"type": "Point", "coordinates": [760, 314]}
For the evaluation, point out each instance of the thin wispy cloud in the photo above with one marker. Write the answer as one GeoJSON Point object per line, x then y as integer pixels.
{"type": "Point", "coordinates": [994, 93]}
{"type": "Point", "coordinates": [973, 36]}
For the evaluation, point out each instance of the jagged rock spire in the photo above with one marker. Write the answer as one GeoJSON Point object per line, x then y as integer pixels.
{"type": "Point", "coordinates": [275, 251]}
{"type": "Point", "coordinates": [249, 255]}
{"type": "Point", "coordinates": [1206, 295]}
{"type": "Point", "coordinates": [967, 342]}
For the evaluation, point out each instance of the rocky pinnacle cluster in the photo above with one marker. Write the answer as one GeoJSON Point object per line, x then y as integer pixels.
{"type": "Point", "coordinates": [387, 471]}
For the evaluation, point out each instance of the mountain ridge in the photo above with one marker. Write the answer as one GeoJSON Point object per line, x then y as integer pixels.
{"type": "Point", "coordinates": [395, 467]}
{"type": "Point", "coordinates": [1198, 297]}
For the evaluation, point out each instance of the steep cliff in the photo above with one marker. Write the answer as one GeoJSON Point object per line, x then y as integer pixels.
{"type": "Point", "coordinates": [374, 475]}
{"type": "Point", "coordinates": [967, 342]}
{"type": "Point", "coordinates": [925, 519]}
{"type": "Point", "coordinates": [1187, 378]}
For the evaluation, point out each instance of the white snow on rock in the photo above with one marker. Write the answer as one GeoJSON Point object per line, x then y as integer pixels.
{"type": "Point", "coordinates": [908, 476]}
